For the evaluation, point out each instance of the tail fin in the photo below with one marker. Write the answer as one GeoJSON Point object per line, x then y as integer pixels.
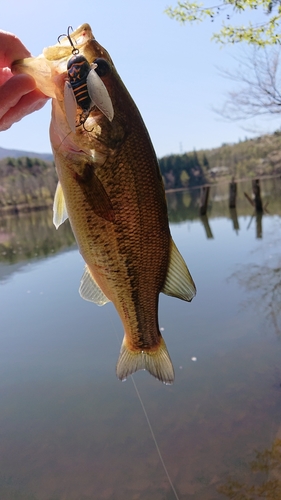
{"type": "Point", "coordinates": [158, 363]}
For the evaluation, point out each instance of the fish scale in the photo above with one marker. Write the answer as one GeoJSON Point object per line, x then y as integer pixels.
{"type": "Point", "coordinates": [110, 187]}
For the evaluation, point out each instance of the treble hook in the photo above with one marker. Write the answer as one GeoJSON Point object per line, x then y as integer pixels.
{"type": "Point", "coordinates": [75, 51]}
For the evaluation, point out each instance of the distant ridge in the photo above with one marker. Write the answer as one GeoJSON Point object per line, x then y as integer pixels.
{"type": "Point", "coordinates": [17, 153]}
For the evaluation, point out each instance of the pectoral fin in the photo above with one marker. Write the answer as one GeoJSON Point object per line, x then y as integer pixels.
{"type": "Point", "coordinates": [70, 106]}
{"type": "Point", "coordinates": [89, 290]}
{"type": "Point", "coordinates": [95, 193]}
{"type": "Point", "coordinates": [179, 282]}
{"type": "Point", "coordinates": [59, 207]}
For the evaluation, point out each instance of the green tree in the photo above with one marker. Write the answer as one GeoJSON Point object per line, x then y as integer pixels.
{"type": "Point", "coordinates": [206, 162]}
{"type": "Point", "coordinates": [184, 178]}
{"type": "Point", "coordinates": [265, 33]}
{"type": "Point", "coordinates": [11, 162]}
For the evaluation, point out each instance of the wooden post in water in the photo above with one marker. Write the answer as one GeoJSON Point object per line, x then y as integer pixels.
{"type": "Point", "coordinates": [204, 196]}
{"type": "Point", "coordinates": [205, 222]}
{"type": "Point", "coordinates": [234, 218]}
{"type": "Point", "coordinates": [257, 195]}
{"type": "Point", "coordinates": [232, 193]}
{"type": "Point", "coordinates": [259, 225]}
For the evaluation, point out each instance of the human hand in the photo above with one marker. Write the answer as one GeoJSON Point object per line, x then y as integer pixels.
{"type": "Point", "coordinates": [18, 93]}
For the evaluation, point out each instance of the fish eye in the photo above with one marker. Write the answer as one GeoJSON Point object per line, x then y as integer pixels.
{"type": "Point", "coordinates": [103, 66]}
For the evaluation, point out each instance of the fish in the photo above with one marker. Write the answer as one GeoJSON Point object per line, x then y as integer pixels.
{"type": "Point", "coordinates": [111, 189]}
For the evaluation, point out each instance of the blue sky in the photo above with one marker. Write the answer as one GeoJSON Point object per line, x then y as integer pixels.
{"type": "Point", "coordinates": [170, 70]}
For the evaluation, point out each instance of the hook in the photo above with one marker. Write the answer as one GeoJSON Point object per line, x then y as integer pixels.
{"type": "Point", "coordinates": [75, 51]}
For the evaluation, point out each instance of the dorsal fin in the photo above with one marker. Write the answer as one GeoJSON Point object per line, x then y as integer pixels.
{"type": "Point", "coordinates": [59, 207]}
{"type": "Point", "coordinates": [179, 282]}
{"type": "Point", "coordinates": [89, 290]}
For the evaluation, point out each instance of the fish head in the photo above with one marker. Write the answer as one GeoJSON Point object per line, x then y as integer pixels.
{"type": "Point", "coordinates": [53, 60]}
{"type": "Point", "coordinates": [107, 92]}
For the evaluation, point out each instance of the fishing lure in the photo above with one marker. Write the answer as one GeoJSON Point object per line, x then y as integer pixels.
{"type": "Point", "coordinates": [85, 88]}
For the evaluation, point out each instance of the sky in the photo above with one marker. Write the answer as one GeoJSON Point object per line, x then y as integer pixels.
{"type": "Point", "coordinates": [170, 70]}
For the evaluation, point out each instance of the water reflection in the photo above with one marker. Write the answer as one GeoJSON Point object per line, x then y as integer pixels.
{"type": "Point", "coordinates": [259, 224]}
{"type": "Point", "coordinates": [31, 235]}
{"type": "Point", "coordinates": [233, 216]}
{"type": "Point", "coordinates": [71, 431]}
{"type": "Point", "coordinates": [257, 216]}
{"type": "Point", "coordinates": [205, 221]}
{"type": "Point", "coordinates": [265, 475]}
{"type": "Point", "coordinates": [185, 206]}
{"type": "Point", "coordinates": [263, 284]}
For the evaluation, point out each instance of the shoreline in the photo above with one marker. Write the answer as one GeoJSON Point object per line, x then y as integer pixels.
{"type": "Point", "coordinates": [26, 208]}
{"type": "Point", "coordinates": [220, 182]}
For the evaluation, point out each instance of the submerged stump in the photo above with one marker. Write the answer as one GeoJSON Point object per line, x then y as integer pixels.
{"type": "Point", "coordinates": [257, 195]}
{"type": "Point", "coordinates": [232, 194]}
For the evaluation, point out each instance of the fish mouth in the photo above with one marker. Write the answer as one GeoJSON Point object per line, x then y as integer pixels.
{"type": "Point", "coordinates": [67, 43]}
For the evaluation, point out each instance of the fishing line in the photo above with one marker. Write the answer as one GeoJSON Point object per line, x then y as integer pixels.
{"type": "Point", "coordinates": [150, 426]}
{"type": "Point", "coordinates": [154, 439]}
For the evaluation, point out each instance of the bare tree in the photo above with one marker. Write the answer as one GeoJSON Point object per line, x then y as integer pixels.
{"type": "Point", "coordinates": [259, 85]}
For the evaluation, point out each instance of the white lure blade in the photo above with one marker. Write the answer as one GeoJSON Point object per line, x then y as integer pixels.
{"type": "Point", "coordinates": [99, 95]}
{"type": "Point", "coordinates": [70, 105]}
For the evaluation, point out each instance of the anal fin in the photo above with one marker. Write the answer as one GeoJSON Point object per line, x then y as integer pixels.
{"type": "Point", "coordinates": [89, 290]}
{"type": "Point", "coordinates": [179, 282]}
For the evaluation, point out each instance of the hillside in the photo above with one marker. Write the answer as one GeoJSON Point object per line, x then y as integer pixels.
{"type": "Point", "coordinates": [247, 159]}
{"type": "Point", "coordinates": [17, 153]}
{"type": "Point", "coordinates": [26, 184]}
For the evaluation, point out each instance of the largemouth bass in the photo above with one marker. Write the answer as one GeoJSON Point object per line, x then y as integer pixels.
{"type": "Point", "coordinates": [111, 188]}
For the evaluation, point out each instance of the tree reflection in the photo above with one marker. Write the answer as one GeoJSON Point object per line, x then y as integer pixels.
{"type": "Point", "coordinates": [264, 283]}
{"type": "Point", "coordinates": [183, 205]}
{"type": "Point", "coordinates": [28, 235]}
{"type": "Point", "coordinates": [267, 462]}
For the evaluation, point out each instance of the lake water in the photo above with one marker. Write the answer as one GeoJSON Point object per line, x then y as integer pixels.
{"type": "Point", "coordinates": [70, 430]}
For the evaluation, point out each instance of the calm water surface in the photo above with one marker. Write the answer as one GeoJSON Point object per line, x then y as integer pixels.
{"type": "Point", "coordinates": [70, 430]}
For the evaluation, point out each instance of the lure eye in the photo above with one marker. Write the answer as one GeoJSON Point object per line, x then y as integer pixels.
{"type": "Point", "coordinates": [78, 60]}
{"type": "Point", "coordinates": [103, 67]}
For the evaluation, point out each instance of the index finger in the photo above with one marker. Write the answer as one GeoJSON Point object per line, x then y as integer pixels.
{"type": "Point", "coordinates": [11, 49]}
